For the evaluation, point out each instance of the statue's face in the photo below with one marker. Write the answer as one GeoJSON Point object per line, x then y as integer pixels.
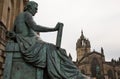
{"type": "Point", "coordinates": [34, 9]}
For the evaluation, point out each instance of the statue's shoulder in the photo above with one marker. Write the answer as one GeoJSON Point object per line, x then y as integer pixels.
{"type": "Point", "coordinates": [23, 14]}
{"type": "Point", "coordinates": [27, 14]}
{"type": "Point", "coordinates": [19, 17]}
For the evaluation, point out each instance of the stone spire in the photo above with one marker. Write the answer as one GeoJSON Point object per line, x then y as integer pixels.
{"type": "Point", "coordinates": [82, 36]}
{"type": "Point", "coordinates": [102, 51]}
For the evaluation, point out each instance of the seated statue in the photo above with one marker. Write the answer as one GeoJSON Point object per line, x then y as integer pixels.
{"type": "Point", "coordinates": [52, 61]}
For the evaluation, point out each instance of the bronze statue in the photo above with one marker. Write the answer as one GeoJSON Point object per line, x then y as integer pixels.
{"type": "Point", "coordinates": [52, 61]}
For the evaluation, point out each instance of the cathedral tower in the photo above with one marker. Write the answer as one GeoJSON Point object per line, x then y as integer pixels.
{"type": "Point", "coordinates": [82, 46]}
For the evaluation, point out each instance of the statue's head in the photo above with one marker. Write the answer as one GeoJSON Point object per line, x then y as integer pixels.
{"type": "Point", "coordinates": [31, 7]}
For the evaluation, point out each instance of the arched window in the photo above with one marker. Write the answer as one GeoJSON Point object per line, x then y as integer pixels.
{"type": "Point", "coordinates": [110, 74]}
{"type": "Point", "coordinates": [95, 67]}
{"type": "Point", "coordinates": [8, 17]}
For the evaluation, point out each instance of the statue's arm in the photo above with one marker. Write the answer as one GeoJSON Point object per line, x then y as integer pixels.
{"type": "Point", "coordinates": [38, 28]}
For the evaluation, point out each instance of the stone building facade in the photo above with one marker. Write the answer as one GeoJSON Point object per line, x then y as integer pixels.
{"type": "Point", "coordinates": [9, 9]}
{"type": "Point", "coordinates": [93, 64]}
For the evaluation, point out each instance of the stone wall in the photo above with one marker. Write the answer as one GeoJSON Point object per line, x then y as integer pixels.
{"type": "Point", "coordinates": [9, 9]}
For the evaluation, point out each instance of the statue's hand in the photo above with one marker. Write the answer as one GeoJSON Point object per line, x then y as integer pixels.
{"type": "Point", "coordinates": [58, 25]}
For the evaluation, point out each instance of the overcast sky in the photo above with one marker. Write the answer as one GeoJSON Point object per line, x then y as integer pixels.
{"type": "Point", "coordinates": [99, 20]}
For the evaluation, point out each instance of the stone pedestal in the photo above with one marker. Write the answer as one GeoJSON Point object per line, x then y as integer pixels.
{"type": "Point", "coordinates": [16, 67]}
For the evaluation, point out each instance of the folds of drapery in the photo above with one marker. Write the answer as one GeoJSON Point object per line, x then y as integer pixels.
{"type": "Point", "coordinates": [45, 55]}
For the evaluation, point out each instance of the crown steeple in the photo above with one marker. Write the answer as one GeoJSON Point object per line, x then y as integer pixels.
{"type": "Point", "coordinates": [82, 41]}
{"type": "Point", "coordinates": [82, 46]}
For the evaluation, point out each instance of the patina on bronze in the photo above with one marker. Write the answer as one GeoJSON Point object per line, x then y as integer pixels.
{"type": "Point", "coordinates": [28, 57]}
